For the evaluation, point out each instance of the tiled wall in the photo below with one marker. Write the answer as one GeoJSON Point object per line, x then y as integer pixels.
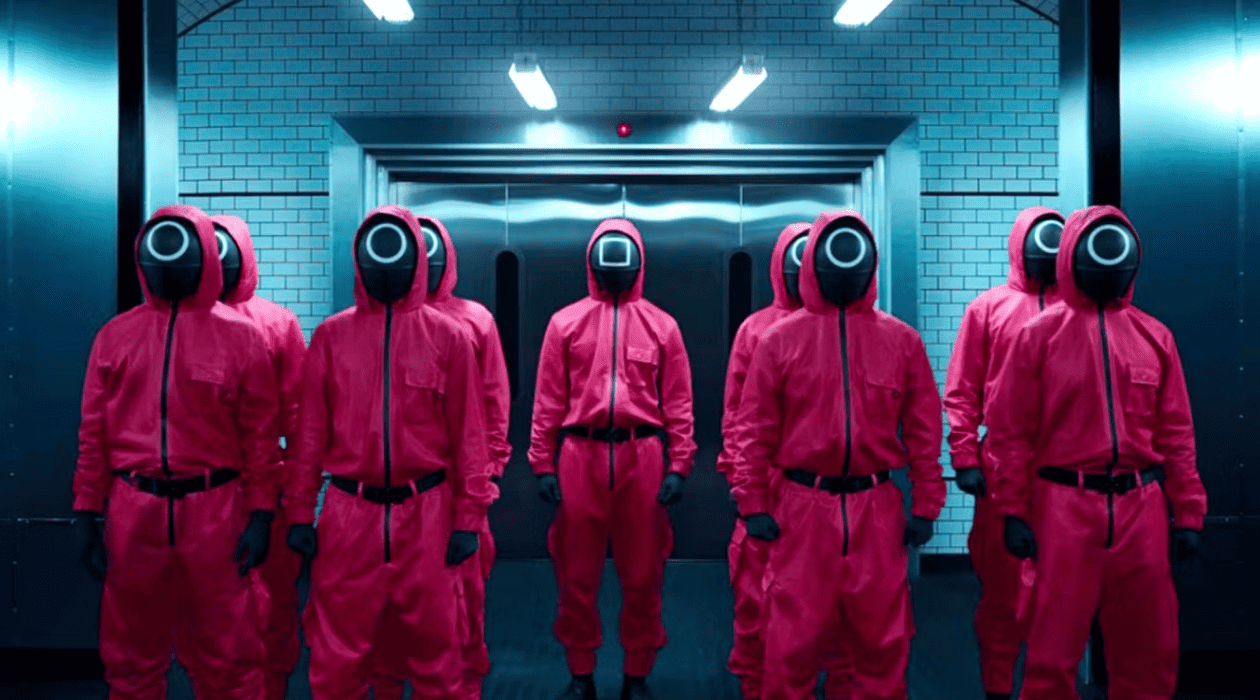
{"type": "Point", "coordinates": [259, 81]}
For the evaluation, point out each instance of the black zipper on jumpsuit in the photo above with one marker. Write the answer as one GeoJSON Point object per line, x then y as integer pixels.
{"type": "Point", "coordinates": [1111, 414]}
{"type": "Point", "coordinates": [612, 396]}
{"type": "Point", "coordinates": [1041, 300]}
{"type": "Point", "coordinates": [389, 318]}
{"type": "Point", "coordinates": [848, 427]}
{"type": "Point", "coordinates": [166, 465]}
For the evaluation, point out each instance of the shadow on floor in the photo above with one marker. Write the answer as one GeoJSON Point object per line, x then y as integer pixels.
{"type": "Point", "coordinates": [529, 663]}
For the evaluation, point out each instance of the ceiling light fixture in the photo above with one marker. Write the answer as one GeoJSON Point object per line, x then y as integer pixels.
{"type": "Point", "coordinates": [750, 74]}
{"type": "Point", "coordinates": [391, 10]}
{"type": "Point", "coordinates": [530, 82]}
{"type": "Point", "coordinates": [859, 13]}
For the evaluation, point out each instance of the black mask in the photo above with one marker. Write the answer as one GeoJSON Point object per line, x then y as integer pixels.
{"type": "Point", "coordinates": [615, 262]}
{"type": "Point", "coordinates": [792, 266]}
{"type": "Point", "coordinates": [1106, 261]}
{"type": "Point", "coordinates": [230, 258]}
{"type": "Point", "coordinates": [170, 258]}
{"type": "Point", "coordinates": [386, 254]}
{"type": "Point", "coordinates": [844, 262]}
{"type": "Point", "coordinates": [436, 250]}
{"type": "Point", "coordinates": [1041, 247]}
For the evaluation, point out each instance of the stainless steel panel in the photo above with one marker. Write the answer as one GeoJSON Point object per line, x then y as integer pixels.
{"type": "Point", "coordinates": [347, 207]}
{"type": "Point", "coordinates": [901, 206]}
{"type": "Point", "coordinates": [550, 226]}
{"type": "Point", "coordinates": [62, 238]}
{"type": "Point", "coordinates": [687, 233]}
{"type": "Point", "coordinates": [1074, 105]}
{"type": "Point", "coordinates": [161, 108]}
{"type": "Point", "coordinates": [1167, 122]}
{"type": "Point", "coordinates": [1250, 243]}
{"type": "Point", "coordinates": [57, 603]}
{"type": "Point", "coordinates": [768, 209]}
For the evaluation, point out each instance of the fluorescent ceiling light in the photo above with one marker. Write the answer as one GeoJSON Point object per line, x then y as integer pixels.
{"type": "Point", "coordinates": [531, 83]}
{"type": "Point", "coordinates": [391, 10]}
{"type": "Point", "coordinates": [1250, 85]}
{"type": "Point", "coordinates": [859, 13]}
{"type": "Point", "coordinates": [750, 74]}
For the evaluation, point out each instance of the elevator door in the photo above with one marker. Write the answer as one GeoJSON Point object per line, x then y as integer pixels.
{"type": "Point", "coordinates": [690, 234]}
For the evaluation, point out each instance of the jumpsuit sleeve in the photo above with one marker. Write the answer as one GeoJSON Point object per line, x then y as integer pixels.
{"type": "Point", "coordinates": [92, 475]}
{"type": "Point", "coordinates": [1014, 426]}
{"type": "Point", "coordinates": [921, 428]}
{"type": "Point", "coordinates": [258, 420]}
{"type": "Point", "coordinates": [314, 434]}
{"type": "Point", "coordinates": [551, 402]}
{"type": "Point", "coordinates": [676, 405]}
{"type": "Point", "coordinates": [498, 394]}
{"type": "Point", "coordinates": [964, 388]}
{"type": "Point", "coordinates": [293, 350]}
{"type": "Point", "coordinates": [736, 371]}
{"type": "Point", "coordinates": [1174, 439]}
{"type": "Point", "coordinates": [466, 435]}
{"type": "Point", "coordinates": [757, 429]}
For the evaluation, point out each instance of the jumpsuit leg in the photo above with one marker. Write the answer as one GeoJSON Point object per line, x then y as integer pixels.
{"type": "Point", "coordinates": [747, 557]}
{"type": "Point", "coordinates": [578, 542]}
{"type": "Point", "coordinates": [997, 620]}
{"type": "Point", "coordinates": [875, 604]}
{"type": "Point", "coordinates": [1070, 527]}
{"type": "Point", "coordinates": [802, 591]}
{"type": "Point", "coordinates": [275, 587]}
{"type": "Point", "coordinates": [425, 596]}
{"type": "Point", "coordinates": [216, 636]}
{"type": "Point", "coordinates": [475, 572]}
{"type": "Point", "coordinates": [1139, 604]}
{"type": "Point", "coordinates": [642, 539]}
{"type": "Point", "coordinates": [347, 596]}
{"type": "Point", "coordinates": [839, 682]}
{"type": "Point", "coordinates": [388, 672]}
{"type": "Point", "coordinates": [140, 601]}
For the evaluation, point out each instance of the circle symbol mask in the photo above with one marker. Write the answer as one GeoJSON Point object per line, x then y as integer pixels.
{"type": "Point", "coordinates": [1040, 230]}
{"type": "Point", "coordinates": [371, 249]}
{"type": "Point", "coordinates": [431, 242]}
{"type": "Point", "coordinates": [223, 244]}
{"type": "Point", "coordinates": [1093, 253]}
{"type": "Point", "coordinates": [797, 250]}
{"type": "Point", "coordinates": [183, 246]}
{"type": "Point", "coordinates": [861, 239]}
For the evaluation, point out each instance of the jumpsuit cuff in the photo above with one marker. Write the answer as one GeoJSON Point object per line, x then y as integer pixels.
{"type": "Point", "coordinates": [543, 470]}
{"type": "Point", "coordinates": [926, 510]}
{"type": "Point", "coordinates": [301, 514]}
{"type": "Point", "coordinates": [468, 518]}
{"type": "Point", "coordinates": [261, 499]}
{"type": "Point", "coordinates": [682, 470]}
{"type": "Point", "coordinates": [749, 505]}
{"type": "Point", "coordinates": [1189, 521]}
{"type": "Point", "coordinates": [89, 502]}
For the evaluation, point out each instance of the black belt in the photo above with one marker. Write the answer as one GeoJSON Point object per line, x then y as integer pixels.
{"type": "Point", "coordinates": [394, 494]}
{"type": "Point", "coordinates": [1117, 484]}
{"type": "Point", "coordinates": [616, 434]}
{"type": "Point", "coordinates": [836, 484]}
{"type": "Point", "coordinates": [178, 488]}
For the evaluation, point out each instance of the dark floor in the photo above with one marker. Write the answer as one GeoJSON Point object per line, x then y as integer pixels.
{"type": "Point", "coordinates": [529, 665]}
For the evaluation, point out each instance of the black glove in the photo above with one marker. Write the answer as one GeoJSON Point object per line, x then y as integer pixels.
{"type": "Point", "coordinates": [252, 548]}
{"type": "Point", "coordinates": [918, 531]}
{"type": "Point", "coordinates": [762, 526]}
{"type": "Point", "coordinates": [970, 480]}
{"type": "Point", "coordinates": [1184, 543]}
{"type": "Point", "coordinates": [1018, 538]}
{"type": "Point", "coordinates": [302, 540]}
{"type": "Point", "coordinates": [549, 489]}
{"type": "Point", "coordinates": [671, 490]}
{"type": "Point", "coordinates": [463, 544]}
{"type": "Point", "coordinates": [90, 543]}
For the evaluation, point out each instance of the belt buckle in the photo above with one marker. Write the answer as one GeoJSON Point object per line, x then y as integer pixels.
{"type": "Point", "coordinates": [1113, 485]}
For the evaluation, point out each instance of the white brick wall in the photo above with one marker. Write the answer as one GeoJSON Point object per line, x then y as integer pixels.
{"type": "Point", "coordinates": [258, 81]}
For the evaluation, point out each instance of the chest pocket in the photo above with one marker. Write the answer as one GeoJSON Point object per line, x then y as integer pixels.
{"type": "Point", "coordinates": [642, 367]}
{"type": "Point", "coordinates": [882, 398]}
{"type": "Point", "coordinates": [208, 385]}
{"type": "Point", "coordinates": [1143, 395]}
{"type": "Point", "coordinates": [422, 394]}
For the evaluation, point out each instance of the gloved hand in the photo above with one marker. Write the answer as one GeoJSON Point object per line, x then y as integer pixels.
{"type": "Point", "coordinates": [463, 544]}
{"type": "Point", "coordinates": [918, 531]}
{"type": "Point", "coordinates": [1184, 543]}
{"type": "Point", "coordinates": [762, 526]}
{"type": "Point", "coordinates": [302, 540]}
{"type": "Point", "coordinates": [90, 543]}
{"type": "Point", "coordinates": [252, 548]}
{"type": "Point", "coordinates": [1018, 538]}
{"type": "Point", "coordinates": [671, 490]}
{"type": "Point", "coordinates": [971, 481]}
{"type": "Point", "coordinates": [549, 489]}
